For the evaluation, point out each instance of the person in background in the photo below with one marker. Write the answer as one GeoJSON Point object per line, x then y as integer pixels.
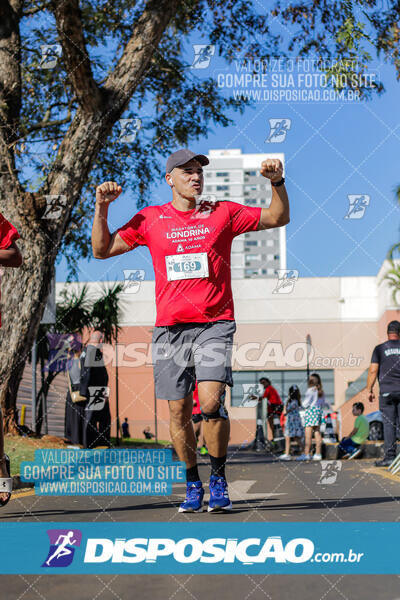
{"type": "Point", "coordinates": [125, 428]}
{"type": "Point", "coordinates": [10, 256]}
{"type": "Point", "coordinates": [385, 365]}
{"type": "Point", "coordinates": [313, 403]}
{"type": "Point", "coordinates": [94, 380]}
{"type": "Point", "coordinates": [147, 433]}
{"type": "Point", "coordinates": [274, 402]}
{"type": "Point", "coordinates": [351, 446]}
{"type": "Point", "coordinates": [74, 411]}
{"type": "Point", "coordinates": [294, 429]}
{"type": "Point", "coordinates": [197, 420]}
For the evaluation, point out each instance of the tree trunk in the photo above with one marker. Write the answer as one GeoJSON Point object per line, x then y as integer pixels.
{"type": "Point", "coordinates": [25, 290]}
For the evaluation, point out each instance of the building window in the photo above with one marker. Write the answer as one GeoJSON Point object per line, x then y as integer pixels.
{"type": "Point", "coordinates": [222, 174]}
{"type": "Point", "coordinates": [251, 242]}
{"type": "Point", "coordinates": [253, 257]}
{"type": "Point", "coordinates": [222, 188]}
{"type": "Point", "coordinates": [251, 173]}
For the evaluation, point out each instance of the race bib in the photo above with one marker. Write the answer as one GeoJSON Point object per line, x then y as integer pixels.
{"type": "Point", "coordinates": [187, 266]}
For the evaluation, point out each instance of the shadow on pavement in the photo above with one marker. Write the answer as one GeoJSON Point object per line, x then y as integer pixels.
{"type": "Point", "coordinates": [239, 506]}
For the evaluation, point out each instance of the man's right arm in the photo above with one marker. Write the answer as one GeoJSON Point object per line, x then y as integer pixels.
{"type": "Point", "coordinates": [104, 244]}
{"type": "Point", "coordinates": [372, 376]}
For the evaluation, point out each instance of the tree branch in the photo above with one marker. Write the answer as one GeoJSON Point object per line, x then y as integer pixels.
{"type": "Point", "coordinates": [76, 59]}
{"type": "Point", "coordinates": [135, 60]}
{"type": "Point", "coordinates": [88, 131]}
{"type": "Point", "coordinates": [35, 9]}
{"type": "Point", "coordinates": [44, 124]}
{"type": "Point", "coordinates": [10, 86]}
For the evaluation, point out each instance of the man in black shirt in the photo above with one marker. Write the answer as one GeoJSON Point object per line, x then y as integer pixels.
{"type": "Point", "coordinates": [93, 385]}
{"type": "Point", "coordinates": [385, 364]}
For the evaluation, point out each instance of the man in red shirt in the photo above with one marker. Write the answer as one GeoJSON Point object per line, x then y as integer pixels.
{"type": "Point", "coordinates": [274, 402]}
{"type": "Point", "coordinates": [190, 244]}
{"type": "Point", "coordinates": [10, 256]}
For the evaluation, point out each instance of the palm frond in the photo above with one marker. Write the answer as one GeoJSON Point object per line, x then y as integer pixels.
{"type": "Point", "coordinates": [106, 312]}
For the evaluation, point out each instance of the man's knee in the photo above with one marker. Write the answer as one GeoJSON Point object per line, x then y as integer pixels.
{"type": "Point", "coordinates": [215, 409]}
{"type": "Point", "coordinates": [180, 411]}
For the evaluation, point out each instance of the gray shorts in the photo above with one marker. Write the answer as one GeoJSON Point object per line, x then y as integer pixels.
{"type": "Point", "coordinates": [188, 352]}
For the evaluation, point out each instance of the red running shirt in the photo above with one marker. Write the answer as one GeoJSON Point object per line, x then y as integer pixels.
{"type": "Point", "coordinates": [272, 395]}
{"type": "Point", "coordinates": [8, 234]}
{"type": "Point", "coordinates": [191, 252]}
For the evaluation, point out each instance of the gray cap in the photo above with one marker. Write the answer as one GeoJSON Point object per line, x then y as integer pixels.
{"type": "Point", "coordinates": [394, 327]}
{"type": "Point", "coordinates": [181, 157]}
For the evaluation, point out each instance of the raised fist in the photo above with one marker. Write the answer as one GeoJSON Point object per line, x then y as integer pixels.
{"type": "Point", "coordinates": [107, 192]}
{"type": "Point", "coordinates": [272, 169]}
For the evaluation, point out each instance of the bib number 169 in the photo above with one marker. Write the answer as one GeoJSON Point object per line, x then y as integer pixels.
{"type": "Point", "coordinates": [188, 266]}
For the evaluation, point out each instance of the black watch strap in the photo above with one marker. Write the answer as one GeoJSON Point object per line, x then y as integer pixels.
{"type": "Point", "coordinates": [278, 183]}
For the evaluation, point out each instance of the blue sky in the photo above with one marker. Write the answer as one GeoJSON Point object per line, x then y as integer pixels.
{"type": "Point", "coordinates": [331, 150]}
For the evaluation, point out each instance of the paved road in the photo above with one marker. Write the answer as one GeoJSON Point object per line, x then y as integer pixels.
{"type": "Point", "coordinates": [262, 490]}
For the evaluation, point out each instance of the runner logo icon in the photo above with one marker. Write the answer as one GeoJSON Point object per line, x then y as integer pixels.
{"type": "Point", "coordinates": [278, 130]}
{"type": "Point", "coordinates": [330, 471]}
{"type": "Point", "coordinates": [62, 547]}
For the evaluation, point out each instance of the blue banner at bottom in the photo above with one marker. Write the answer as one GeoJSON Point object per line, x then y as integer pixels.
{"type": "Point", "coordinates": [200, 548]}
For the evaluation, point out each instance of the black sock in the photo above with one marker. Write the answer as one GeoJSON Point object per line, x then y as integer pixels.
{"type": "Point", "coordinates": [192, 474]}
{"type": "Point", "coordinates": [218, 465]}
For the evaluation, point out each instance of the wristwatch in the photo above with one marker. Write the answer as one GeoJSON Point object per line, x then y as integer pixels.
{"type": "Point", "coordinates": [278, 183]}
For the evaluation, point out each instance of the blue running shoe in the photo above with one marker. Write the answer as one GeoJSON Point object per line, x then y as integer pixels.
{"type": "Point", "coordinates": [194, 497]}
{"type": "Point", "coordinates": [219, 497]}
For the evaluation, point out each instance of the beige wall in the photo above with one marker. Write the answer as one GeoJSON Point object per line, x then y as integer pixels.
{"type": "Point", "coordinates": [331, 341]}
{"type": "Point", "coordinates": [345, 316]}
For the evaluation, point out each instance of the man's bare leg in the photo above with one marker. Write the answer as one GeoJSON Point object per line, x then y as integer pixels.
{"type": "Point", "coordinates": [184, 441]}
{"type": "Point", "coordinates": [216, 434]}
{"type": "Point", "coordinates": [215, 431]}
{"type": "Point", "coordinates": [181, 430]}
{"type": "Point", "coordinates": [197, 431]}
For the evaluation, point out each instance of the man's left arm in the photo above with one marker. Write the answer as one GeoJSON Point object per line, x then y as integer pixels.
{"type": "Point", "coordinates": [11, 256]}
{"type": "Point", "coordinates": [353, 432]}
{"type": "Point", "coordinates": [277, 214]}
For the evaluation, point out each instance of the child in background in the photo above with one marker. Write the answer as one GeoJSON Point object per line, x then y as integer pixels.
{"type": "Point", "coordinates": [313, 402]}
{"type": "Point", "coordinates": [350, 446]}
{"type": "Point", "coordinates": [293, 428]}
{"type": "Point", "coordinates": [147, 433]}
